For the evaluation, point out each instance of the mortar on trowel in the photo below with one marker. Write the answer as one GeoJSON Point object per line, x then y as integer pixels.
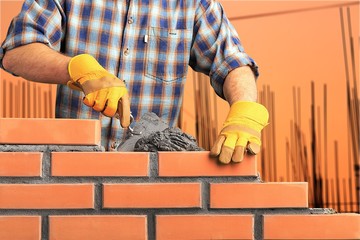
{"type": "Point", "coordinates": [151, 134]}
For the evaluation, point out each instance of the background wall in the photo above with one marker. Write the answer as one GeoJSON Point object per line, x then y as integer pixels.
{"type": "Point", "coordinates": [303, 81]}
{"type": "Point", "coordinates": [20, 98]}
{"type": "Point", "coordinates": [299, 48]}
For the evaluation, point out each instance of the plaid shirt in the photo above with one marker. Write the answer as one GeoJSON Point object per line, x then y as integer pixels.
{"type": "Point", "coordinates": [147, 43]}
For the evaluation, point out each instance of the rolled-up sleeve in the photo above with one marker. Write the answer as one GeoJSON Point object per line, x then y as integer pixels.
{"type": "Point", "coordinates": [216, 47]}
{"type": "Point", "coordinates": [39, 21]}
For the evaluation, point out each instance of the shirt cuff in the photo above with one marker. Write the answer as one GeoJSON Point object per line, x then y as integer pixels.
{"type": "Point", "coordinates": [233, 61]}
{"type": "Point", "coordinates": [2, 54]}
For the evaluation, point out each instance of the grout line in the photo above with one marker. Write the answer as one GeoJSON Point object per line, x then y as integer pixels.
{"type": "Point", "coordinates": [151, 226]}
{"type": "Point", "coordinates": [98, 196]}
{"type": "Point", "coordinates": [45, 227]}
{"type": "Point", "coordinates": [164, 211]}
{"type": "Point", "coordinates": [153, 165]}
{"type": "Point", "coordinates": [258, 226]}
{"type": "Point", "coordinates": [46, 165]}
{"type": "Point", "coordinates": [205, 196]}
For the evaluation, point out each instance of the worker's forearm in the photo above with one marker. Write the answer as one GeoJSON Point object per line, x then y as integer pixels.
{"type": "Point", "coordinates": [240, 85]}
{"type": "Point", "coordinates": [37, 62]}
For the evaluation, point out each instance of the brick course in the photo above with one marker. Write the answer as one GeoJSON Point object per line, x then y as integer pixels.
{"type": "Point", "coordinates": [46, 196]}
{"type": "Point", "coordinates": [66, 164]}
{"type": "Point", "coordinates": [97, 227]}
{"type": "Point", "coordinates": [335, 226]}
{"type": "Point", "coordinates": [209, 226]}
{"type": "Point", "coordinates": [20, 227]}
{"type": "Point", "coordinates": [152, 195]}
{"type": "Point", "coordinates": [198, 164]}
{"type": "Point", "coordinates": [75, 191]}
{"type": "Point", "coordinates": [49, 131]}
{"type": "Point", "coordinates": [258, 195]}
{"type": "Point", "coordinates": [20, 164]}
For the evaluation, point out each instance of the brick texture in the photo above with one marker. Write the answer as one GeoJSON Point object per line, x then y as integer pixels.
{"type": "Point", "coordinates": [20, 227]}
{"type": "Point", "coordinates": [258, 195]}
{"type": "Point", "coordinates": [97, 227]}
{"type": "Point", "coordinates": [56, 192]}
{"type": "Point", "coordinates": [337, 226]}
{"type": "Point", "coordinates": [20, 164]}
{"type": "Point", "coordinates": [99, 164]}
{"type": "Point", "coordinates": [152, 195]}
{"type": "Point", "coordinates": [204, 227]}
{"type": "Point", "coordinates": [49, 131]}
{"type": "Point", "coordinates": [46, 196]}
{"type": "Point", "coordinates": [173, 164]}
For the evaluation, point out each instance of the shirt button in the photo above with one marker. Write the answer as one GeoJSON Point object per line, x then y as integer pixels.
{"type": "Point", "coordinates": [126, 52]}
{"type": "Point", "coordinates": [130, 20]}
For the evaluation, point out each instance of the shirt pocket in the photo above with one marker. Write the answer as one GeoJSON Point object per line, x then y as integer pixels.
{"type": "Point", "coordinates": [168, 53]}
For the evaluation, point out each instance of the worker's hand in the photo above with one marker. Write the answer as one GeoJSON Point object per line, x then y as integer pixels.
{"type": "Point", "coordinates": [103, 91]}
{"type": "Point", "coordinates": [241, 132]}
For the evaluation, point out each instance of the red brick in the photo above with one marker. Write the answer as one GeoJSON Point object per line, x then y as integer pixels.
{"type": "Point", "coordinates": [192, 164]}
{"type": "Point", "coordinates": [20, 227]}
{"type": "Point", "coordinates": [20, 164]}
{"type": "Point", "coordinates": [337, 226]}
{"type": "Point", "coordinates": [99, 164]}
{"type": "Point", "coordinates": [152, 195]}
{"type": "Point", "coordinates": [97, 227]}
{"type": "Point", "coordinates": [204, 227]}
{"type": "Point", "coordinates": [50, 131]}
{"type": "Point", "coordinates": [46, 196]}
{"type": "Point", "coordinates": [258, 195]}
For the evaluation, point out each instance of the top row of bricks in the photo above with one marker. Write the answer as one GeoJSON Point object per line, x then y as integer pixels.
{"type": "Point", "coordinates": [88, 132]}
{"type": "Point", "coordinates": [50, 131]}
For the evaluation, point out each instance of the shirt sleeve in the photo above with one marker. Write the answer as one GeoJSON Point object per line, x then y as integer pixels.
{"type": "Point", "coordinates": [40, 21]}
{"type": "Point", "coordinates": [216, 48]}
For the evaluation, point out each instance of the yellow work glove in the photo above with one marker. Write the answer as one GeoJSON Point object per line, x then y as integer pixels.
{"type": "Point", "coordinates": [103, 91]}
{"type": "Point", "coordinates": [241, 131]}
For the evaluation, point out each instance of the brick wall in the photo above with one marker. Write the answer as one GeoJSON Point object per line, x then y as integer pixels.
{"type": "Point", "coordinates": [56, 182]}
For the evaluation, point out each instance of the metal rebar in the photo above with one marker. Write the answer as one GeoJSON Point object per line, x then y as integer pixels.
{"type": "Point", "coordinates": [325, 148]}
{"type": "Point", "coordinates": [337, 175]}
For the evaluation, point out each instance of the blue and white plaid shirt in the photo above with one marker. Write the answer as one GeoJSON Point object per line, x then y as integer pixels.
{"type": "Point", "coordinates": [147, 43]}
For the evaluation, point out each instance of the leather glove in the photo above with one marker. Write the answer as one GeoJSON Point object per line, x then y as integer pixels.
{"type": "Point", "coordinates": [240, 132]}
{"type": "Point", "coordinates": [103, 91]}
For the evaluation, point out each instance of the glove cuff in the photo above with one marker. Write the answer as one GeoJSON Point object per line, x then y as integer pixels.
{"type": "Point", "coordinates": [84, 67]}
{"type": "Point", "coordinates": [251, 114]}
